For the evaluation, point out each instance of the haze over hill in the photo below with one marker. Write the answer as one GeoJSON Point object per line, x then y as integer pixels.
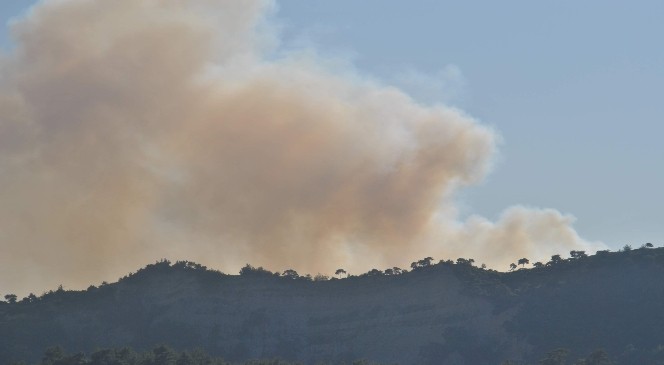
{"type": "Point", "coordinates": [182, 129]}
{"type": "Point", "coordinates": [445, 313]}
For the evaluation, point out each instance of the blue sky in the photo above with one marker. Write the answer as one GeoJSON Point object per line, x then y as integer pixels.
{"type": "Point", "coordinates": [574, 88]}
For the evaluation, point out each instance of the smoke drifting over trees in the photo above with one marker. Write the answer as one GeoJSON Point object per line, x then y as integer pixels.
{"type": "Point", "coordinates": [137, 130]}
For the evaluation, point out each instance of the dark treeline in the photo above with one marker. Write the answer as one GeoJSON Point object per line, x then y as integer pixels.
{"type": "Point", "coordinates": [562, 356]}
{"type": "Point", "coordinates": [250, 271]}
{"type": "Point", "coordinates": [436, 312]}
{"type": "Point", "coordinates": [161, 355]}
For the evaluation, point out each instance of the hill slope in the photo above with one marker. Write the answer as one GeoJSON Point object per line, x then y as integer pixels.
{"type": "Point", "coordinates": [438, 314]}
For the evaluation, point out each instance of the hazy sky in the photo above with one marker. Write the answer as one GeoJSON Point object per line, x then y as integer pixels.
{"type": "Point", "coordinates": [569, 92]}
{"type": "Point", "coordinates": [574, 88]}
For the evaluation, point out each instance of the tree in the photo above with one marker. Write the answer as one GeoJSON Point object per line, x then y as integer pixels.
{"type": "Point", "coordinates": [627, 248]}
{"type": "Point", "coordinates": [11, 298]}
{"type": "Point", "coordinates": [374, 272]}
{"type": "Point", "coordinates": [538, 264]}
{"type": "Point", "coordinates": [578, 254]}
{"type": "Point", "coordinates": [555, 357]}
{"type": "Point", "coordinates": [52, 356]}
{"type": "Point", "coordinates": [76, 359]}
{"type": "Point", "coordinates": [321, 277]}
{"type": "Point", "coordinates": [340, 272]}
{"type": "Point", "coordinates": [597, 357]}
{"type": "Point", "coordinates": [106, 356]}
{"type": "Point", "coordinates": [648, 245]}
{"type": "Point", "coordinates": [291, 274]}
{"type": "Point", "coordinates": [425, 262]}
{"type": "Point", "coordinates": [462, 261]}
{"type": "Point", "coordinates": [185, 359]}
{"type": "Point", "coordinates": [164, 356]}
{"type": "Point", "coordinates": [556, 259]}
{"type": "Point", "coordinates": [249, 270]}
{"type": "Point", "coordinates": [512, 266]}
{"type": "Point", "coordinates": [31, 298]}
{"type": "Point", "coordinates": [523, 261]}
{"type": "Point", "coordinates": [199, 357]}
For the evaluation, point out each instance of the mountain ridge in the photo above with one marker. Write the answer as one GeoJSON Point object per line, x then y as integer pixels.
{"type": "Point", "coordinates": [447, 312]}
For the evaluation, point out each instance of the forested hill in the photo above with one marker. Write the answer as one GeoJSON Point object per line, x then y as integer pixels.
{"type": "Point", "coordinates": [435, 313]}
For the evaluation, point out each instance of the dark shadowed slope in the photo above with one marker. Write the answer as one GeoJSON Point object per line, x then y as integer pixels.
{"type": "Point", "coordinates": [435, 314]}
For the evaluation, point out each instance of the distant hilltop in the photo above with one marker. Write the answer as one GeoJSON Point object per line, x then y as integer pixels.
{"type": "Point", "coordinates": [449, 312]}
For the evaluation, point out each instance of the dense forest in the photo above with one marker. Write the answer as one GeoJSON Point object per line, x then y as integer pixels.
{"type": "Point", "coordinates": [163, 355]}
{"type": "Point", "coordinates": [564, 311]}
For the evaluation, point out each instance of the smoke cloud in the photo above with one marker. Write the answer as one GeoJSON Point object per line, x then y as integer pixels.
{"type": "Point", "coordinates": [136, 130]}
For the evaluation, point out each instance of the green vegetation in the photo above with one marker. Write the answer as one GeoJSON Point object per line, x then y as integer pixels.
{"type": "Point", "coordinates": [161, 355]}
{"type": "Point", "coordinates": [449, 311]}
{"type": "Point", "coordinates": [561, 356]}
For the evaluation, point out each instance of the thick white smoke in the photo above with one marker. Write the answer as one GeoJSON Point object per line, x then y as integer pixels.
{"type": "Point", "coordinates": [135, 130]}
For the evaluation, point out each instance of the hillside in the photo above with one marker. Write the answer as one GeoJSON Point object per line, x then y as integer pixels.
{"type": "Point", "coordinates": [445, 313]}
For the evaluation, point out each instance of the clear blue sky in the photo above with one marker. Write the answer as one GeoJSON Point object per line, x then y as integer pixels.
{"type": "Point", "coordinates": [576, 89]}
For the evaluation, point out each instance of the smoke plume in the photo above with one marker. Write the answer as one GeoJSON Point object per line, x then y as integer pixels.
{"type": "Point", "coordinates": [136, 130]}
